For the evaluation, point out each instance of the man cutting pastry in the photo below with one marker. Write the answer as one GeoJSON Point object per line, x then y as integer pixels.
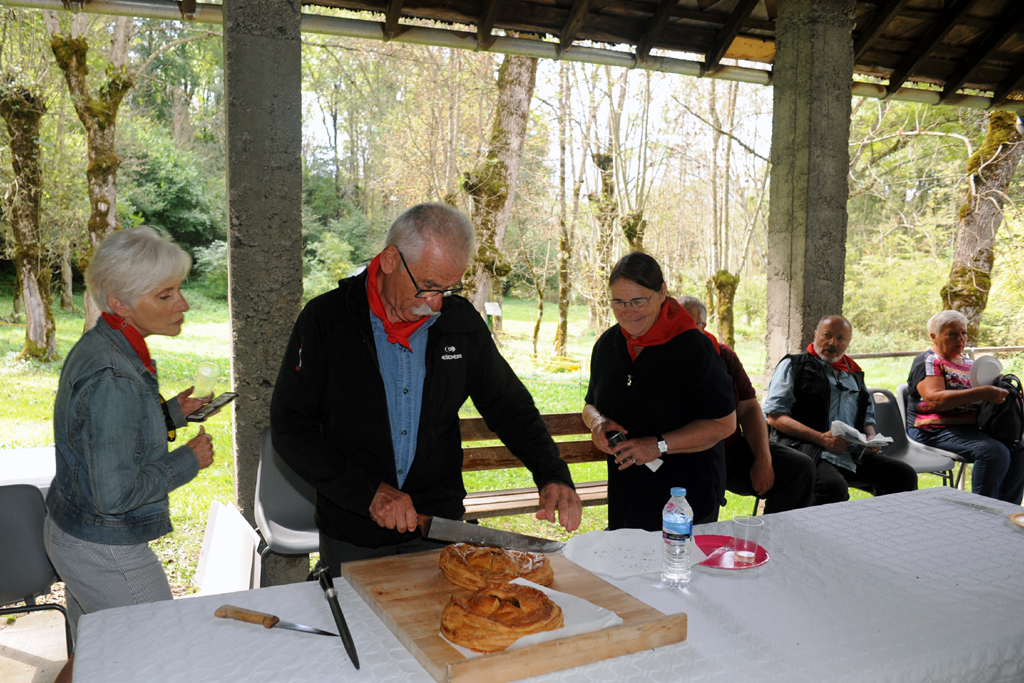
{"type": "Point", "coordinates": [366, 404]}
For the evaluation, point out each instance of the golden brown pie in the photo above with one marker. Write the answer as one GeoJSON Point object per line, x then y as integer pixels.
{"type": "Point", "coordinates": [493, 618]}
{"type": "Point", "coordinates": [473, 567]}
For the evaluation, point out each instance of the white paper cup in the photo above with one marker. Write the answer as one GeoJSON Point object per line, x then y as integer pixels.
{"type": "Point", "coordinates": [746, 532]}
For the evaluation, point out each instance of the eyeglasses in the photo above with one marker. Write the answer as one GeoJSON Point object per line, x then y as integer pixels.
{"type": "Point", "coordinates": [424, 293]}
{"type": "Point", "coordinates": [639, 302]}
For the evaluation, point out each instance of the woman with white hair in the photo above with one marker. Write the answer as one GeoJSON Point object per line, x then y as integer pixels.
{"type": "Point", "coordinates": [112, 430]}
{"type": "Point", "coordinates": [942, 411]}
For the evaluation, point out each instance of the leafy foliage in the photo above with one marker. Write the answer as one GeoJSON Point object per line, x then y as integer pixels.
{"type": "Point", "coordinates": [169, 186]}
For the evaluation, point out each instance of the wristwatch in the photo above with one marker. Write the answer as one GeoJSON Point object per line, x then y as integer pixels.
{"type": "Point", "coordinates": [662, 445]}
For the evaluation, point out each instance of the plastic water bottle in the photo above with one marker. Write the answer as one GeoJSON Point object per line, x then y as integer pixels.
{"type": "Point", "coordinates": [677, 535]}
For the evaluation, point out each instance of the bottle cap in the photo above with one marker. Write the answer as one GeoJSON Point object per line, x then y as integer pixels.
{"type": "Point", "coordinates": [678, 492]}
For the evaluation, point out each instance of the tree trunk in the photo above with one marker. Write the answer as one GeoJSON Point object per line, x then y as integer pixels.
{"type": "Point", "coordinates": [16, 299]}
{"type": "Point", "coordinates": [98, 115]}
{"type": "Point", "coordinates": [67, 294]}
{"type": "Point", "coordinates": [492, 184]}
{"type": "Point", "coordinates": [607, 212]}
{"type": "Point", "coordinates": [22, 110]}
{"type": "Point", "coordinates": [564, 240]}
{"type": "Point", "coordinates": [990, 171]}
{"type": "Point", "coordinates": [725, 293]}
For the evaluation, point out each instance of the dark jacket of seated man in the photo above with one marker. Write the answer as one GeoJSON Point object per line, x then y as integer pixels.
{"type": "Point", "coordinates": [329, 414]}
{"type": "Point", "coordinates": [807, 393]}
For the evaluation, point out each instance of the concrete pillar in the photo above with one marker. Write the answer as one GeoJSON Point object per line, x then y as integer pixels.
{"type": "Point", "coordinates": [812, 81]}
{"type": "Point", "coordinates": [263, 70]}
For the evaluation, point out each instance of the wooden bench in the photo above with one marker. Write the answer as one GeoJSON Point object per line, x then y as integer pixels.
{"type": "Point", "coordinates": [522, 501]}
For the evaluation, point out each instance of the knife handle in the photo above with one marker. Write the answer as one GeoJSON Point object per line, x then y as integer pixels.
{"type": "Point", "coordinates": [423, 523]}
{"type": "Point", "coordinates": [246, 615]}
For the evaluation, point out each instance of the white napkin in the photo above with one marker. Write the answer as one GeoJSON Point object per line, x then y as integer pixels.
{"type": "Point", "coordinates": [580, 616]}
{"type": "Point", "coordinates": [622, 553]}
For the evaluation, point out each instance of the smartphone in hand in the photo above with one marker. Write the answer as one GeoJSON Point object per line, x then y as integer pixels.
{"type": "Point", "coordinates": [212, 407]}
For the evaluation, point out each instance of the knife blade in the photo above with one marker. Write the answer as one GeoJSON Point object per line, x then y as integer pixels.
{"type": "Point", "coordinates": [265, 620]}
{"type": "Point", "coordinates": [327, 583]}
{"type": "Point", "coordinates": [452, 531]}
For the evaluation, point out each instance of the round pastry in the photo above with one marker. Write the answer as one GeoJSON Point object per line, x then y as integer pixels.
{"type": "Point", "coordinates": [473, 567]}
{"type": "Point", "coordinates": [493, 618]}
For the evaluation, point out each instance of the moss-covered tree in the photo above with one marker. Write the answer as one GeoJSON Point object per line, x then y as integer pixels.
{"type": "Point", "coordinates": [21, 109]}
{"type": "Point", "coordinates": [97, 104]}
{"type": "Point", "coordinates": [989, 172]}
{"type": "Point", "coordinates": [492, 184]}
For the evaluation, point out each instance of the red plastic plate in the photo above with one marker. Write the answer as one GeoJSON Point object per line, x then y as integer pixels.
{"type": "Point", "coordinates": [710, 543]}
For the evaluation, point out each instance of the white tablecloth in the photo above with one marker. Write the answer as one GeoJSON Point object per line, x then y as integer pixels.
{"type": "Point", "coordinates": [34, 466]}
{"type": "Point", "coordinates": [908, 587]}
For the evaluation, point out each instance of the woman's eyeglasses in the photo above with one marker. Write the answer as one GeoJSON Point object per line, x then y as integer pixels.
{"type": "Point", "coordinates": [424, 293]}
{"type": "Point", "coordinates": [639, 302]}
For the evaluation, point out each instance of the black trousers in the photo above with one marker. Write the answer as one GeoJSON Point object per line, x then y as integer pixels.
{"type": "Point", "coordinates": [794, 475]}
{"type": "Point", "coordinates": [877, 474]}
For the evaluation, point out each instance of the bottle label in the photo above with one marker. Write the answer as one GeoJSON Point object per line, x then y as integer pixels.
{"type": "Point", "coordinates": [676, 531]}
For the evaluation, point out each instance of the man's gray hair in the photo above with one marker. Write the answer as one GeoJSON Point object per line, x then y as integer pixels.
{"type": "Point", "coordinates": [943, 319]}
{"type": "Point", "coordinates": [443, 224]}
{"type": "Point", "coordinates": [133, 262]}
{"type": "Point", "coordinates": [691, 304]}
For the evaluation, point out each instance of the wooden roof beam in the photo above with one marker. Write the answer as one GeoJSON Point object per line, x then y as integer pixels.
{"type": "Point", "coordinates": [1013, 82]}
{"type": "Point", "coordinates": [935, 35]}
{"type": "Point", "coordinates": [392, 11]}
{"type": "Point", "coordinates": [654, 29]}
{"type": "Point", "coordinates": [1006, 25]}
{"type": "Point", "coordinates": [728, 33]}
{"type": "Point", "coordinates": [871, 32]}
{"type": "Point", "coordinates": [484, 26]}
{"type": "Point", "coordinates": [577, 15]}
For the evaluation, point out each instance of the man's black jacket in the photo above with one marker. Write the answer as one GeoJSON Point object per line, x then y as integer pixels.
{"type": "Point", "coordinates": [329, 415]}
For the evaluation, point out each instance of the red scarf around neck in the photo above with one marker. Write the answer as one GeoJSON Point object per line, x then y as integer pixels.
{"type": "Point", "coordinates": [672, 321]}
{"type": "Point", "coordinates": [714, 341]}
{"type": "Point", "coordinates": [398, 332]}
{"type": "Point", "coordinates": [134, 338]}
{"type": "Point", "coordinates": [846, 364]}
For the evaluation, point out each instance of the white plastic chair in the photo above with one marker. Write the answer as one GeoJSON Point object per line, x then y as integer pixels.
{"type": "Point", "coordinates": [902, 392]}
{"type": "Point", "coordinates": [284, 506]}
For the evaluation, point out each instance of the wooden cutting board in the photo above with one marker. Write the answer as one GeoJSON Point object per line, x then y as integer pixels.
{"type": "Point", "coordinates": [408, 593]}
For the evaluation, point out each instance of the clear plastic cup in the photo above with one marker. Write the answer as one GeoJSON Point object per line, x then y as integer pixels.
{"type": "Point", "coordinates": [746, 533]}
{"type": "Point", "coordinates": [206, 379]}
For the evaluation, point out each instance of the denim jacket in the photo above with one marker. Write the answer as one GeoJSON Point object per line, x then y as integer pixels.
{"type": "Point", "coordinates": [114, 470]}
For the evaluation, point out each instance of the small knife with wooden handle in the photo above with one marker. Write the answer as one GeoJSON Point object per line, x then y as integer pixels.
{"type": "Point", "coordinates": [265, 620]}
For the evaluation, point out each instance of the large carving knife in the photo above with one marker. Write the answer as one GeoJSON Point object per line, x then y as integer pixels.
{"type": "Point", "coordinates": [327, 583]}
{"type": "Point", "coordinates": [452, 531]}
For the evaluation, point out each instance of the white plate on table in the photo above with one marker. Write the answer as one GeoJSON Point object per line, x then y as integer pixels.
{"type": "Point", "coordinates": [985, 370]}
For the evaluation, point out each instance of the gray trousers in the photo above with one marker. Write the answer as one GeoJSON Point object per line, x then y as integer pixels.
{"type": "Point", "coordinates": [99, 576]}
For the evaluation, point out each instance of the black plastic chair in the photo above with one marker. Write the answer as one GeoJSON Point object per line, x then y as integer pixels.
{"type": "Point", "coordinates": [25, 570]}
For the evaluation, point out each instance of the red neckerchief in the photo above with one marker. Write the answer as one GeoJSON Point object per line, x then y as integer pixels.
{"type": "Point", "coordinates": [133, 337]}
{"type": "Point", "coordinates": [846, 364]}
{"type": "Point", "coordinates": [399, 332]}
{"type": "Point", "coordinates": [714, 341]}
{"type": "Point", "coordinates": [672, 321]}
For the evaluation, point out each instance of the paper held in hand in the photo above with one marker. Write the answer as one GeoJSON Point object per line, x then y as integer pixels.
{"type": "Point", "coordinates": [845, 431]}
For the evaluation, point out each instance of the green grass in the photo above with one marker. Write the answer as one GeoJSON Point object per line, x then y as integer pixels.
{"type": "Point", "coordinates": [557, 385]}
